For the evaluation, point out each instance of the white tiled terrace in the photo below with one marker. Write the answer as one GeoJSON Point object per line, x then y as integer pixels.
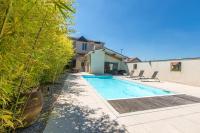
{"type": "Point", "coordinates": [178, 119]}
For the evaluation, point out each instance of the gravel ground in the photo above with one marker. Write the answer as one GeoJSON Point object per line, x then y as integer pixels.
{"type": "Point", "coordinates": [50, 94]}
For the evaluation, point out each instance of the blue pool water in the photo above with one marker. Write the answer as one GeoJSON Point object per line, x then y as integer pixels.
{"type": "Point", "coordinates": [113, 88]}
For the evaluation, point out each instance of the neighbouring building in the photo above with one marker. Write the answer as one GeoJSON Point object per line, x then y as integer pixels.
{"type": "Point", "coordinates": [93, 57]}
{"type": "Point", "coordinates": [82, 46]}
{"type": "Point", "coordinates": [132, 60]}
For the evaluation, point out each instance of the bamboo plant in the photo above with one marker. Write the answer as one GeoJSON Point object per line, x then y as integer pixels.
{"type": "Point", "coordinates": [34, 48]}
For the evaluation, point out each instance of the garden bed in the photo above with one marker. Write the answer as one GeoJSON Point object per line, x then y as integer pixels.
{"type": "Point", "coordinates": [50, 93]}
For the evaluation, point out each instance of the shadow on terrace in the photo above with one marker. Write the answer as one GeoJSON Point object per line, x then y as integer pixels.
{"type": "Point", "coordinates": [72, 87]}
{"type": "Point", "coordinates": [69, 116]}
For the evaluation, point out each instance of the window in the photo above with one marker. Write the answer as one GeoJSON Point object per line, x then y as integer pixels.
{"type": "Point", "coordinates": [110, 67]}
{"type": "Point", "coordinates": [134, 66]}
{"type": "Point", "coordinates": [176, 66]}
{"type": "Point", "coordinates": [84, 46]}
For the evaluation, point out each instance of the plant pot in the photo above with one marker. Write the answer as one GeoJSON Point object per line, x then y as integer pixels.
{"type": "Point", "coordinates": [33, 107]}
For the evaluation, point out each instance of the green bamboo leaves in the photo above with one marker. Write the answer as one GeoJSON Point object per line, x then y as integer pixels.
{"type": "Point", "coordinates": [34, 48]}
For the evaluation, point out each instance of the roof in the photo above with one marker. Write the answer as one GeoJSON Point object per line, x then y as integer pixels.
{"type": "Point", "coordinates": [83, 39]}
{"type": "Point", "coordinates": [110, 52]}
{"type": "Point", "coordinates": [132, 60]}
{"type": "Point", "coordinates": [114, 53]}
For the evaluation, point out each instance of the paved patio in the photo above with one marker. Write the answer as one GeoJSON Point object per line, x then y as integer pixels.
{"type": "Point", "coordinates": [81, 109]}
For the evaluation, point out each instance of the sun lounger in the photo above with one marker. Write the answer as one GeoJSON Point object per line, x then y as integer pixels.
{"type": "Point", "coordinates": [140, 76]}
{"type": "Point", "coordinates": [131, 74]}
{"type": "Point", "coordinates": [153, 78]}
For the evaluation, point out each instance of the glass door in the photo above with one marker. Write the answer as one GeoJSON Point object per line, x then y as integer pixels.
{"type": "Point", "coordinates": [110, 67]}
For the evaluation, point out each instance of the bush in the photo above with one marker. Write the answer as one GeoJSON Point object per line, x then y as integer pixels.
{"type": "Point", "coordinates": [34, 48]}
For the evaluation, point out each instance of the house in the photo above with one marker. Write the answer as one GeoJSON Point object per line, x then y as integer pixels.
{"type": "Point", "coordinates": [105, 60]}
{"type": "Point", "coordinates": [93, 57]}
{"type": "Point", "coordinates": [82, 46]}
{"type": "Point", "coordinates": [132, 60]}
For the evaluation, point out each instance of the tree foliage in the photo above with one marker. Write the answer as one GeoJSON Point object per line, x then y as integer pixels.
{"type": "Point", "coordinates": [34, 48]}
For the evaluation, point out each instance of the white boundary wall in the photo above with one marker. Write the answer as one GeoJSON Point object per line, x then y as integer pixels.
{"type": "Point", "coordinates": [190, 73]}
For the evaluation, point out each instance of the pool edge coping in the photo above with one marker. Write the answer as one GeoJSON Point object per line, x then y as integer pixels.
{"type": "Point", "coordinates": [118, 115]}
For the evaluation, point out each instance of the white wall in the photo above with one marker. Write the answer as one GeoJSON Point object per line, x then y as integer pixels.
{"type": "Point", "coordinates": [97, 62]}
{"type": "Point", "coordinates": [98, 58]}
{"type": "Point", "coordinates": [190, 73]}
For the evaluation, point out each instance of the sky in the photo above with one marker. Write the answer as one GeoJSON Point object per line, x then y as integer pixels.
{"type": "Point", "coordinates": [148, 29]}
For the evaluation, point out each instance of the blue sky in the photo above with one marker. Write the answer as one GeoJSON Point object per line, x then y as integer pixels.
{"type": "Point", "coordinates": [148, 29]}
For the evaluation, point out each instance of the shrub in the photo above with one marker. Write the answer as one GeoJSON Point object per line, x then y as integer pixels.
{"type": "Point", "coordinates": [34, 48]}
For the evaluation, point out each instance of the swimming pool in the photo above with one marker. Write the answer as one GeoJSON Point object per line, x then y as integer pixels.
{"type": "Point", "coordinates": [114, 88]}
